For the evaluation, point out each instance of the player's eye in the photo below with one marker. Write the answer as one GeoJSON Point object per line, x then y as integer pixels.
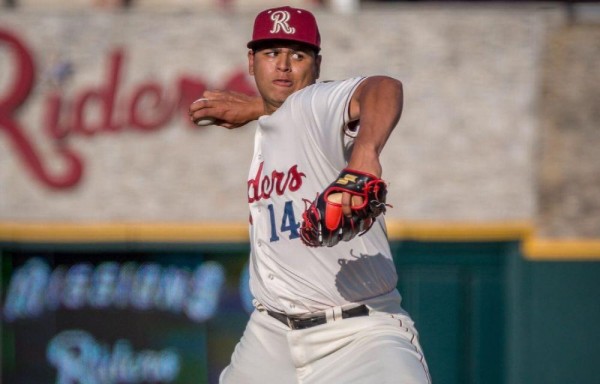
{"type": "Point", "coordinates": [298, 55]}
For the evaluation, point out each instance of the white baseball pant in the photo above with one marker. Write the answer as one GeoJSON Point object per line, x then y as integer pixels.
{"type": "Point", "coordinates": [379, 348]}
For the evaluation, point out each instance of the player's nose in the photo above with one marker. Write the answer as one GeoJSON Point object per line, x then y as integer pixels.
{"type": "Point", "coordinates": [284, 62]}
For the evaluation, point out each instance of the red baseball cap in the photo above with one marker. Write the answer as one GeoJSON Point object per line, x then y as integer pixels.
{"type": "Point", "coordinates": [286, 23]}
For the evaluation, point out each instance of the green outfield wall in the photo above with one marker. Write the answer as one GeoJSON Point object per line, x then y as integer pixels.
{"type": "Point", "coordinates": [487, 315]}
{"type": "Point", "coordinates": [488, 308]}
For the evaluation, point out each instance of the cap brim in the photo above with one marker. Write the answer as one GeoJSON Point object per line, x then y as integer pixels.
{"type": "Point", "coordinates": [254, 43]}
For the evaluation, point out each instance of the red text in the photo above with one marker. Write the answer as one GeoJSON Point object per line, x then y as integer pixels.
{"type": "Point", "coordinates": [261, 187]}
{"type": "Point", "coordinates": [104, 108]}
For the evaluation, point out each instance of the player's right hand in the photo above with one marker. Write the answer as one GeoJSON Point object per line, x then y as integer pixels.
{"type": "Point", "coordinates": [229, 109]}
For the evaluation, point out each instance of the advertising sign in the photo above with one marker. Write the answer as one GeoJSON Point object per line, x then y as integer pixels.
{"type": "Point", "coordinates": [120, 317]}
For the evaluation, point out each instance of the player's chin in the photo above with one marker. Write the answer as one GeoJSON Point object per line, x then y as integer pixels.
{"type": "Point", "coordinates": [282, 93]}
{"type": "Point", "coordinates": [278, 98]}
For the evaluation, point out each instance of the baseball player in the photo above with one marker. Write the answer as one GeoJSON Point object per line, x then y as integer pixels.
{"type": "Point", "coordinates": [321, 271]}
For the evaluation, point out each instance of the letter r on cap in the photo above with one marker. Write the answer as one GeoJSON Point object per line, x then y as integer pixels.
{"type": "Point", "coordinates": [280, 22]}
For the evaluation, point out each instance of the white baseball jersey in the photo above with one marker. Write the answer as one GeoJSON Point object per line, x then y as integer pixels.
{"type": "Point", "coordinates": [299, 150]}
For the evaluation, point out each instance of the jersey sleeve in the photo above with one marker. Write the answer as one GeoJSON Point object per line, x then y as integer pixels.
{"type": "Point", "coordinates": [328, 104]}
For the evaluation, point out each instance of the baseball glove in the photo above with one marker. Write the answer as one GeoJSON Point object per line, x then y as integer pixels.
{"type": "Point", "coordinates": [324, 223]}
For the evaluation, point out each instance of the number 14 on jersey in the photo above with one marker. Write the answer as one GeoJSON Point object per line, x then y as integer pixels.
{"type": "Point", "coordinates": [287, 223]}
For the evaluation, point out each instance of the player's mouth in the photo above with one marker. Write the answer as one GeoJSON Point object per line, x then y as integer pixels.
{"type": "Point", "coordinates": [283, 82]}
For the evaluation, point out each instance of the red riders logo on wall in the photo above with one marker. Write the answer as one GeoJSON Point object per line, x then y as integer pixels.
{"type": "Point", "coordinates": [148, 108]}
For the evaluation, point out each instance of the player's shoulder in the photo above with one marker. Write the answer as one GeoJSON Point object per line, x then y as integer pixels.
{"type": "Point", "coordinates": [329, 86]}
{"type": "Point", "coordinates": [337, 83]}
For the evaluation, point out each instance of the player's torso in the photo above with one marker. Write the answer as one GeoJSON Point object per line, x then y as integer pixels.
{"type": "Point", "coordinates": [291, 165]}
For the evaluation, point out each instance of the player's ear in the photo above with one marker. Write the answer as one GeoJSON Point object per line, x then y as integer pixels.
{"type": "Point", "coordinates": [251, 62]}
{"type": "Point", "coordinates": [317, 66]}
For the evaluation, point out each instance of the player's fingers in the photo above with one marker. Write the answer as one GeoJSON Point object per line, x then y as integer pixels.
{"type": "Point", "coordinates": [200, 113]}
{"type": "Point", "coordinates": [346, 204]}
{"type": "Point", "coordinates": [357, 201]}
{"type": "Point", "coordinates": [198, 104]}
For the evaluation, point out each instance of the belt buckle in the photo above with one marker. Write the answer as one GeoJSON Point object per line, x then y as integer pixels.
{"type": "Point", "coordinates": [290, 323]}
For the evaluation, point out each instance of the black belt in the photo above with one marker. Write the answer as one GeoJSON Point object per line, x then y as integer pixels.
{"type": "Point", "coordinates": [303, 323]}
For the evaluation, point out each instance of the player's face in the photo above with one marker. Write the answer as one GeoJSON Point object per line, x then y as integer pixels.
{"type": "Point", "coordinates": [282, 69]}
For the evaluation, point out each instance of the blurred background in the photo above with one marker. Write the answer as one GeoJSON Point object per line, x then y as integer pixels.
{"type": "Point", "coordinates": [123, 230]}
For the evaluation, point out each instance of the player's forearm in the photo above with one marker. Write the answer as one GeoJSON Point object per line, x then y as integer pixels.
{"type": "Point", "coordinates": [378, 105]}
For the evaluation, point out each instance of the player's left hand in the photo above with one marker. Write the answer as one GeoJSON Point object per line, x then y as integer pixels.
{"type": "Point", "coordinates": [324, 222]}
{"type": "Point", "coordinates": [227, 109]}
